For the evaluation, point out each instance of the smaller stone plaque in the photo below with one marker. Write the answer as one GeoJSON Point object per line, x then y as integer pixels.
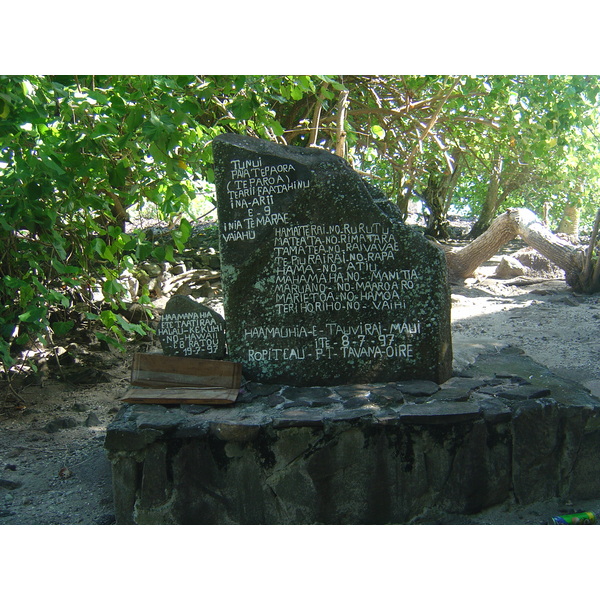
{"type": "Point", "coordinates": [188, 328]}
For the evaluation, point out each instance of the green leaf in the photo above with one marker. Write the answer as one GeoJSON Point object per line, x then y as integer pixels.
{"type": "Point", "coordinates": [63, 269]}
{"type": "Point", "coordinates": [109, 340]}
{"type": "Point", "coordinates": [277, 128]}
{"type": "Point", "coordinates": [185, 228]}
{"type": "Point", "coordinates": [242, 109]}
{"type": "Point", "coordinates": [4, 109]}
{"type": "Point", "coordinates": [98, 246]}
{"type": "Point", "coordinates": [378, 131]}
{"type": "Point", "coordinates": [177, 190]}
{"type": "Point", "coordinates": [98, 96]}
{"type": "Point", "coordinates": [51, 162]}
{"type": "Point", "coordinates": [117, 176]}
{"type": "Point", "coordinates": [111, 288]}
{"type": "Point", "coordinates": [135, 118]}
{"type": "Point", "coordinates": [143, 250]}
{"type": "Point", "coordinates": [129, 327]}
{"type": "Point", "coordinates": [108, 318]}
{"type": "Point", "coordinates": [61, 328]}
{"type": "Point", "coordinates": [33, 315]}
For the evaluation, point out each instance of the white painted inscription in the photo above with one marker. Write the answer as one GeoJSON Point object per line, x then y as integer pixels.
{"type": "Point", "coordinates": [318, 270]}
{"type": "Point", "coordinates": [322, 268]}
{"type": "Point", "coordinates": [252, 191]}
{"type": "Point", "coordinates": [190, 333]}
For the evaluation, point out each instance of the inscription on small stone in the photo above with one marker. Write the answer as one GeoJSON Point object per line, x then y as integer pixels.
{"type": "Point", "coordinates": [320, 285]}
{"type": "Point", "coordinates": [188, 328]}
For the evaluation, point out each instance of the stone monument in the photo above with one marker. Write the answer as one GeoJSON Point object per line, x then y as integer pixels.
{"type": "Point", "coordinates": [188, 328]}
{"type": "Point", "coordinates": [321, 285]}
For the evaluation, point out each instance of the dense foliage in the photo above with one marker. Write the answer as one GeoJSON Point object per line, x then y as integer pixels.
{"type": "Point", "coordinates": [80, 154]}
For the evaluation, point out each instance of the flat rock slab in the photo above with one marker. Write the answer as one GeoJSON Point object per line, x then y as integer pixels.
{"type": "Point", "coordinates": [322, 285]}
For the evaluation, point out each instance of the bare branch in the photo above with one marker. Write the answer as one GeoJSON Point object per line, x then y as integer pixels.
{"type": "Point", "coordinates": [341, 134]}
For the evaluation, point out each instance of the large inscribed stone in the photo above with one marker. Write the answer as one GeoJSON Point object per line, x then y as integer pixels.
{"type": "Point", "coordinates": [320, 285]}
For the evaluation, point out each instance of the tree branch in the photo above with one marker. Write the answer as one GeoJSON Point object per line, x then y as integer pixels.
{"type": "Point", "coordinates": [341, 134]}
{"type": "Point", "coordinates": [314, 130]}
{"type": "Point", "coordinates": [431, 123]}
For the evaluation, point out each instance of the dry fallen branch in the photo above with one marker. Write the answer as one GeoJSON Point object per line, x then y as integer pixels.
{"type": "Point", "coordinates": [521, 222]}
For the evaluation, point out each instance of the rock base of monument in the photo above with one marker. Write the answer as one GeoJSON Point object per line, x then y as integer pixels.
{"type": "Point", "coordinates": [360, 454]}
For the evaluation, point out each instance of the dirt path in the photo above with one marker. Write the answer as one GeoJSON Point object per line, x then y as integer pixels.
{"type": "Point", "coordinates": [53, 469]}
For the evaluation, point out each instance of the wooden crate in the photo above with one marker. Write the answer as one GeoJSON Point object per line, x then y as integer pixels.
{"type": "Point", "coordinates": [160, 379]}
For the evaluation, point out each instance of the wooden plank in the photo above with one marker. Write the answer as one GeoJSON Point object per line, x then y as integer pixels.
{"type": "Point", "coordinates": [158, 370]}
{"type": "Point", "coordinates": [184, 395]}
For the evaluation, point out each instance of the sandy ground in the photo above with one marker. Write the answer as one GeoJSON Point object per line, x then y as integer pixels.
{"type": "Point", "coordinates": [53, 469]}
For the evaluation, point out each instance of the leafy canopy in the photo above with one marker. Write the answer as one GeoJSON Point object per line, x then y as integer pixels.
{"type": "Point", "coordinates": [80, 153]}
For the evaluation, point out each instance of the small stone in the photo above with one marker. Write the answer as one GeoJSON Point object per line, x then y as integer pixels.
{"type": "Point", "coordinates": [296, 404]}
{"type": "Point", "coordinates": [65, 473]}
{"type": "Point", "coordinates": [390, 393]}
{"type": "Point", "coordinates": [150, 417]}
{"type": "Point", "coordinates": [351, 415]}
{"type": "Point", "coordinates": [418, 387]}
{"type": "Point", "coordinates": [274, 401]}
{"type": "Point", "coordinates": [494, 410]}
{"type": "Point", "coordinates": [262, 389]}
{"type": "Point", "coordinates": [92, 420]}
{"type": "Point", "coordinates": [204, 291]}
{"type": "Point", "coordinates": [451, 394]}
{"type": "Point", "coordinates": [524, 392]}
{"type": "Point", "coordinates": [235, 432]}
{"type": "Point", "coordinates": [355, 402]}
{"type": "Point", "coordinates": [151, 269]}
{"type": "Point", "coordinates": [323, 401]}
{"type": "Point", "coordinates": [307, 393]}
{"type": "Point", "coordinates": [299, 418]}
{"type": "Point", "coordinates": [60, 423]}
{"type": "Point", "coordinates": [178, 269]}
{"type": "Point", "coordinates": [439, 412]}
{"type": "Point", "coordinates": [509, 267]}
{"type": "Point", "coordinates": [10, 485]}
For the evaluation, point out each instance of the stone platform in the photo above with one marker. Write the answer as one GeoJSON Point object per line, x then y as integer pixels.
{"type": "Point", "coordinates": [360, 454]}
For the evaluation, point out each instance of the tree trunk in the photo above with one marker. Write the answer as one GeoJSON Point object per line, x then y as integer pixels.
{"type": "Point", "coordinates": [491, 203]}
{"type": "Point", "coordinates": [569, 224]}
{"type": "Point", "coordinates": [521, 222]}
{"type": "Point", "coordinates": [457, 160]}
{"type": "Point", "coordinates": [438, 195]}
{"type": "Point", "coordinates": [401, 199]}
{"type": "Point", "coordinates": [435, 200]}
